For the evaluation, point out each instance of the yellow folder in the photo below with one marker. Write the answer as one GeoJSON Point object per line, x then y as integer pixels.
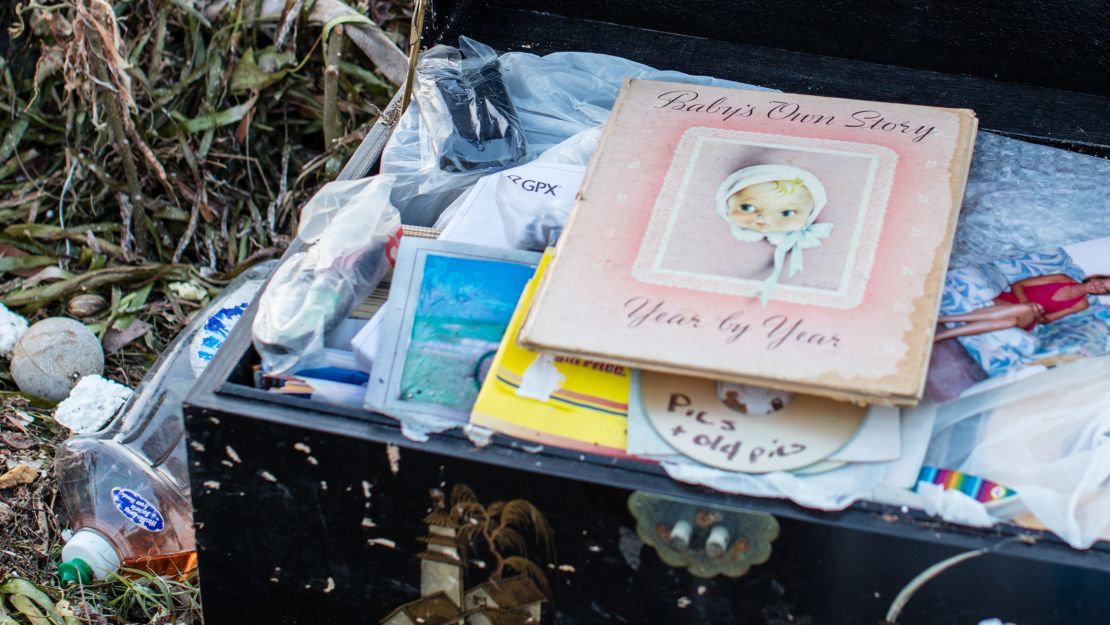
{"type": "Point", "coordinates": [583, 407]}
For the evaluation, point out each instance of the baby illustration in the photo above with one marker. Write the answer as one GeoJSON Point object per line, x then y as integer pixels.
{"type": "Point", "coordinates": [779, 204]}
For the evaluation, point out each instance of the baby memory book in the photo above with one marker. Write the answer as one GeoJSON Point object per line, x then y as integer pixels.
{"type": "Point", "coordinates": [780, 240]}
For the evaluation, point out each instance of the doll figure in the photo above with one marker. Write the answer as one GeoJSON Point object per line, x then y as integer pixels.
{"type": "Point", "coordinates": [779, 204]}
{"type": "Point", "coordinates": [1026, 303]}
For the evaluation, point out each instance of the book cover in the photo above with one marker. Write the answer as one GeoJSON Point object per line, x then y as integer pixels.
{"type": "Point", "coordinates": [782, 240]}
{"type": "Point", "coordinates": [568, 402]}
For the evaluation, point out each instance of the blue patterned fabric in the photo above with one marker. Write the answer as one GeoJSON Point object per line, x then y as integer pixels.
{"type": "Point", "coordinates": [1086, 333]}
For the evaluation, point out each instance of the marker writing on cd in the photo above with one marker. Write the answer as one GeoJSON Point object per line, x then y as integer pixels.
{"type": "Point", "coordinates": [740, 427]}
{"type": "Point", "coordinates": [728, 447]}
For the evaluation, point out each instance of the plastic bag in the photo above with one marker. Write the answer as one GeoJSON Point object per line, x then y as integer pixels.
{"type": "Point", "coordinates": [555, 97]}
{"type": "Point", "coordinates": [313, 291]}
{"type": "Point", "coordinates": [533, 200]}
{"type": "Point", "coordinates": [1047, 438]}
{"type": "Point", "coordinates": [531, 226]}
{"type": "Point", "coordinates": [470, 124]}
{"type": "Point", "coordinates": [534, 222]}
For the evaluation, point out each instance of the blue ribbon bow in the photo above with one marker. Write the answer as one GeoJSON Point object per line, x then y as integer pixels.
{"type": "Point", "coordinates": [791, 243]}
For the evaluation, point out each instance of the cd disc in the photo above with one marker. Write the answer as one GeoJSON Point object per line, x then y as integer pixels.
{"type": "Point", "coordinates": [744, 428]}
{"type": "Point", "coordinates": [823, 466]}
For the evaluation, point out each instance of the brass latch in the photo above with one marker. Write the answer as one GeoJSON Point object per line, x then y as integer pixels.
{"type": "Point", "coordinates": [706, 540]}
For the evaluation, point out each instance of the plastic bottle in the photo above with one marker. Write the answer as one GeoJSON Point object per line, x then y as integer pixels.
{"type": "Point", "coordinates": [126, 488]}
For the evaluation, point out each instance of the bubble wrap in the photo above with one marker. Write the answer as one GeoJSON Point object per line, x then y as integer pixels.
{"type": "Point", "coordinates": [1025, 197]}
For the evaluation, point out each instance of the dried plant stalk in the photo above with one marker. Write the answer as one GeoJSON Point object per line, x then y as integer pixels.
{"type": "Point", "coordinates": [331, 87]}
{"type": "Point", "coordinates": [95, 51]}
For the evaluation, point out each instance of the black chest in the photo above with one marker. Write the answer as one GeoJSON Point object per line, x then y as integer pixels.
{"type": "Point", "coordinates": [327, 515]}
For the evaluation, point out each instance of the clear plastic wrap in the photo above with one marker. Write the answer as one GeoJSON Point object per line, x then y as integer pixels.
{"type": "Point", "coordinates": [555, 97]}
{"type": "Point", "coordinates": [313, 291]}
{"type": "Point", "coordinates": [532, 200]}
{"type": "Point", "coordinates": [469, 119]}
{"type": "Point", "coordinates": [1047, 438]}
{"type": "Point", "coordinates": [563, 95]}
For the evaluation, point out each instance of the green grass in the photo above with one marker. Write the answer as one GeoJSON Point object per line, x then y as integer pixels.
{"type": "Point", "coordinates": [146, 146]}
{"type": "Point", "coordinates": [31, 544]}
{"type": "Point", "coordinates": [138, 598]}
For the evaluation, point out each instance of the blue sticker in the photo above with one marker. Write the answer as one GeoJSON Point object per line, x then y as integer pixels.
{"type": "Point", "coordinates": [225, 314]}
{"type": "Point", "coordinates": [137, 510]}
{"type": "Point", "coordinates": [214, 332]}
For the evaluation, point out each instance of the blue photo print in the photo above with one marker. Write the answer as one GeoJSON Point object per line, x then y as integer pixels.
{"type": "Point", "coordinates": [462, 310]}
{"type": "Point", "coordinates": [449, 305]}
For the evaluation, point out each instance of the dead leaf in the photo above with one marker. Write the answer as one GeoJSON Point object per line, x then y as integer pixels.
{"type": "Point", "coordinates": [16, 423]}
{"type": "Point", "coordinates": [52, 273]}
{"type": "Point", "coordinates": [14, 252]}
{"type": "Point", "coordinates": [270, 68]}
{"type": "Point", "coordinates": [21, 474]}
{"type": "Point", "coordinates": [115, 340]}
{"type": "Point", "coordinates": [16, 441]}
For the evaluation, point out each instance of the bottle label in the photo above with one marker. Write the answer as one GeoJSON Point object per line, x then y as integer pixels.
{"type": "Point", "coordinates": [137, 510]}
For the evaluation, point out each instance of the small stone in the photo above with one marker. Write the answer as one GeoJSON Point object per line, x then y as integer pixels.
{"type": "Point", "coordinates": [53, 355]}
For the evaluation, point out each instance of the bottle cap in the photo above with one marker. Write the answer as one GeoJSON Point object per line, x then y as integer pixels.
{"type": "Point", "coordinates": [92, 549]}
{"type": "Point", "coordinates": [74, 571]}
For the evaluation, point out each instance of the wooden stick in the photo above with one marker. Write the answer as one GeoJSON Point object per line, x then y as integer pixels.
{"type": "Point", "coordinates": [416, 33]}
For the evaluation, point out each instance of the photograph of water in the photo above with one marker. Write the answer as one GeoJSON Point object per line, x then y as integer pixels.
{"type": "Point", "coordinates": [463, 309]}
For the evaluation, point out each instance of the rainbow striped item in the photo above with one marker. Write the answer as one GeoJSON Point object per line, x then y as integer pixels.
{"type": "Point", "coordinates": [983, 491]}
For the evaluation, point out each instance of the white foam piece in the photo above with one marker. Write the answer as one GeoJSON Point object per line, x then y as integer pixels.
{"type": "Point", "coordinates": [12, 327]}
{"type": "Point", "coordinates": [91, 404]}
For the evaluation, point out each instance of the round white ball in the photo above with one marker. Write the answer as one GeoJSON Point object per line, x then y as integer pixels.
{"type": "Point", "coordinates": [53, 355]}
